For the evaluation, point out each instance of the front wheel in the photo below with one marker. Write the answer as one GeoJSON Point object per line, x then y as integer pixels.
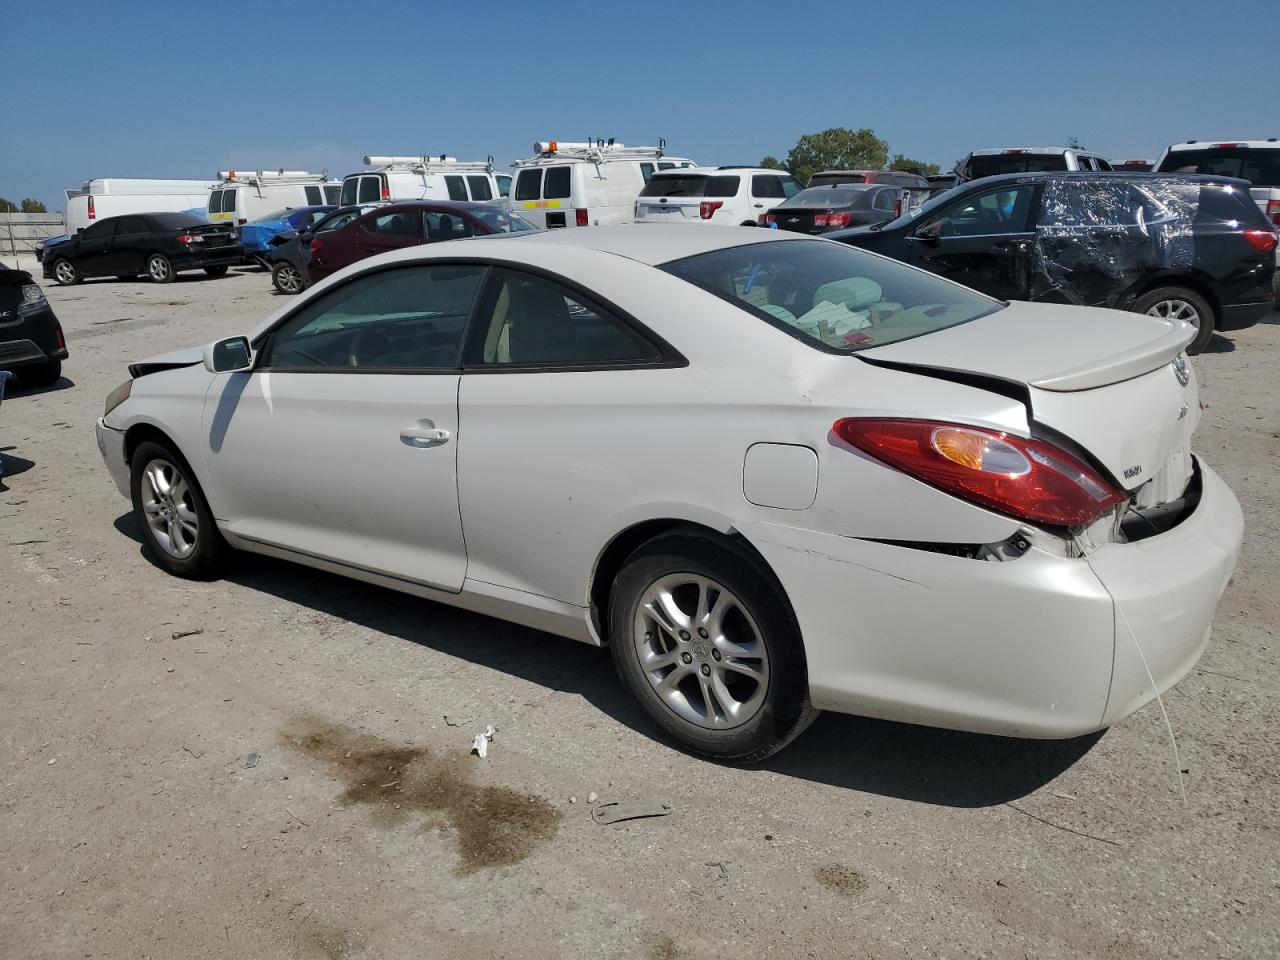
{"type": "Point", "coordinates": [1179, 303]}
{"type": "Point", "coordinates": [216, 271]}
{"type": "Point", "coordinates": [177, 526]}
{"type": "Point", "coordinates": [287, 278]}
{"type": "Point", "coordinates": [703, 637]}
{"type": "Point", "coordinates": [65, 272]}
{"type": "Point", "coordinates": [159, 269]}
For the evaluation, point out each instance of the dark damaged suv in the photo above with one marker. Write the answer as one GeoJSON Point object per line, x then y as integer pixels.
{"type": "Point", "coordinates": [31, 341]}
{"type": "Point", "coordinates": [1196, 248]}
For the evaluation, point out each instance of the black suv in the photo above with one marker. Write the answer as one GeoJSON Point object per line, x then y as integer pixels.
{"type": "Point", "coordinates": [31, 341]}
{"type": "Point", "coordinates": [1190, 247]}
{"type": "Point", "coordinates": [157, 244]}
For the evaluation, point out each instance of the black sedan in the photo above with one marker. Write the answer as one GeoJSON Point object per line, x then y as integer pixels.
{"type": "Point", "coordinates": [161, 245]}
{"type": "Point", "coordinates": [1184, 247]}
{"type": "Point", "coordinates": [834, 206]}
{"type": "Point", "coordinates": [31, 340]}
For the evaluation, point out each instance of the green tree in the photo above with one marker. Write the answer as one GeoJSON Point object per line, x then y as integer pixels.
{"type": "Point", "coordinates": [6, 206]}
{"type": "Point", "coordinates": [837, 149]}
{"type": "Point", "coordinates": [33, 206]}
{"type": "Point", "coordinates": [899, 162]}
{"type": "Point", "coordinates": [772, 163]}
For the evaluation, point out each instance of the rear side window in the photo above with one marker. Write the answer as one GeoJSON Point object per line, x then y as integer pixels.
{"type": "Point", "coordinates": [350, 192]}
{"type": "Point", "coordinates": [403, 223]}
{"type": "Point", "coordinates": [767, 185]}
{"type": "Point", "coordinates": [646, 171]}
{"type": "Point", "coordinates": [447, 226]}
{"type": "Point", "coordinates": [331, 194]}
{"type": "Point", "coordinates": [480, 189]}
{"type": "Point", "coordinates": [370, 189]}
{"type": "Point", "coordinates": [1261, 167]}
{"type": "Point", "coordinates": [556, 185]}
{"type": "Point", "coordinates": [1085, 203]}
{"type": "Point", "coordinates": [722, 186]}
{"type": "Point", "coordinates": [529, 185]}
{"type": "Point", "coordinates": [314, 196]}
{"type": "Point", "coordinates": [131, 225]}
{"type": "Point", "coordinates": [457, 188]}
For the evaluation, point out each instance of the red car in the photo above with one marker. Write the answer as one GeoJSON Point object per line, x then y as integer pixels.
{"type": "Point", "coordinates": [398, 225]}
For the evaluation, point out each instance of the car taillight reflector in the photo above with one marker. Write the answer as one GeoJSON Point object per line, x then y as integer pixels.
{"type": "Point", "coordinates": [58, 337]}
{"type": "Point", "coordinates": [315, 247]}
{"type": "Point", "coordinates": [1226, 146]}
{"type": "Point", "coordinates": [1263, 240]}
{"type": "Point", "coordinates": [1027, 479]}
{"type": "Point", "coordinates": [819, 219]}
{"type": "Point", "coordinates": [1014, 153]}
{"type": "Point", "coordinates": [1273, 211]}
{"type": "Point", "coordinates": [766, 218]}
{"type": "Point", "coordinates": [93, 214]}
{"type": "Point", "coordinates": [188, 238]}
{"type": "Point", "coordinates": [580, 217]}
{"type": "Point", "coordinates": [707, 208]}
{"type": "Point", "coordinates": [386, 190]}
{"type": "Point", "coordinates": [839, 219]}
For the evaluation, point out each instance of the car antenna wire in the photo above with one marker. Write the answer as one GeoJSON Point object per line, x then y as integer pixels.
{"type": "Point", "coordinates": [1177, 759]}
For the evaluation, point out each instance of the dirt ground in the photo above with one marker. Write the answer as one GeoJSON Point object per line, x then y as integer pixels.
{"type": "Point", "coordinates": [276, 764]}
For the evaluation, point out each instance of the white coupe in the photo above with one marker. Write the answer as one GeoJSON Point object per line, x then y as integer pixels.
{"type": "Point", "coordinates": [774, 474]}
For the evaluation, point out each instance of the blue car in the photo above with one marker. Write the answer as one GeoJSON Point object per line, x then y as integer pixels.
{"type": "Point", "coordinates": [256, 236]}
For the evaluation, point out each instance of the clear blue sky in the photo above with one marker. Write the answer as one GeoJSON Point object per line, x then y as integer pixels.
{"type": "Point", "coordinates": [134, 89]}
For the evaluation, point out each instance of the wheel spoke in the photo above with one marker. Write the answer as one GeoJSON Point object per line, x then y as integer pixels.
{"type": "Point", "coordinates": [714, 711]}
{"type": "Point", "coordinates": [658, 661]}
{"type": "Point", "coordinates": [746, 669]}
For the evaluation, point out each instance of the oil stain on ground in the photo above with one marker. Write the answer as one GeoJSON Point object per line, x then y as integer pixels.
{"type": "Point", "coordinates": [840, 879]}
{"type": "Point", "coordinates": [494, 826]}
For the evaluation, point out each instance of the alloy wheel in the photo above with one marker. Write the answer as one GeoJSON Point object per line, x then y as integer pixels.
{"type": "Point", "coordinates": [701, 651]}
{"type": "Point", "coordinates": [1175, 310]}
{"type": "Point", "coordinates": [289, 279]}
{"type": "Point", "coordinates": [158, 269]}
{"type": "Point", "coordinates": [169, 508]}
{"type": "Point", "coordinates": [64, 272]}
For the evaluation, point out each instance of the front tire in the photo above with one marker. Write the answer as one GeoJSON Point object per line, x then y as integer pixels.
{"type": "Point", "coordinates": [66, 273]}
{"type": "Point", "coordinates": [704, 638]}
{"type": "Point", "coordinates": [287, 278]}
{"type": "Point", "coordinates": [1179, 303]}
{"type": "Point", "coordinates": [178, 531]}
{"type": "Point", "coordinates": [159, 269]}
{"type": "Point", "coordinates": [41, 374]}
{"type": "Point", "coordinates": [216, 272]}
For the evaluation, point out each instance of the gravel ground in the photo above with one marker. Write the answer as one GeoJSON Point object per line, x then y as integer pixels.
{"type": "Point", "coordinates": [200, 770]}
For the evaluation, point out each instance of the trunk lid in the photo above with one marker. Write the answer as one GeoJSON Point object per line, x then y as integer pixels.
{"type": "Point", "coordinates": [213, 234]}
{"type": "Point", "coordinates": [1114, 383]}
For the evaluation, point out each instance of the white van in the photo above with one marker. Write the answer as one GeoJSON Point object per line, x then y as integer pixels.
{"type": "Point", "coordinates": [585, 184]}
{"type": "Point", "coordinates": [110, 197]}
{"type": "Point", "coordinates": [243, 195]}
{"type": "Point", "coordinates": [422, 178]}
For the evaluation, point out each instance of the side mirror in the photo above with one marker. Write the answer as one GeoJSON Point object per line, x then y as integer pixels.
{"type": "Point", "coordinates": [930, 232]}
{"type": "Point", "coordinates": [224, 356]}
{"type": "Point", "coordinates": [304, 236]}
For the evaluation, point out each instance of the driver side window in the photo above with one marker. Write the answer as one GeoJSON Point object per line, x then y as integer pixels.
{"type": "Point", "coordinates": [1004, 210]}
{"type": "Point", "coordinates": [412, 318]}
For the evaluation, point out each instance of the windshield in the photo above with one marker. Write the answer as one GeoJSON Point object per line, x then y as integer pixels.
{"type": "Point", "coordinates": [844, 195]}
{"type": "Point", "coordinates": [1261, 167]}
{"type": "Point", "coordinates": [991, 165]}
{"type": "Point", "coordinates": [500, 221]}
{"type": "Point", "coordinates": [833, 297]}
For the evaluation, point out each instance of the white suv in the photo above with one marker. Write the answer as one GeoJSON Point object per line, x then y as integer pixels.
{"type": "Point", "coordinates": [1257, 161]}
{"type": "Point", "coordinates": [730, 196]}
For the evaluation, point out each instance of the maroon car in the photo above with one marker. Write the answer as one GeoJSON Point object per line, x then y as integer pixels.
{"type": "Point", "coordinates": [397, 225]}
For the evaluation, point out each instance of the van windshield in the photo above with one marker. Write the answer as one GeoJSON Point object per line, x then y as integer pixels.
{"type": "Point", "coordinates": [833, 297]}
{"type": "Point", "coordinates": [1261, 167]}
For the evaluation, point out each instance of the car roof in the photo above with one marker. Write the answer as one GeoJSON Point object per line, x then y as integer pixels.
{"type": "Point", "coordinates": [716, 171]}
{"type": "Point", "coordinates": [1039, 175]}
{"type": "Point", "coordinates": [995, 151]}
{"type": "Point", "coordinates": [1271, 143]}
{"type": "Point", "coordinates": [652, 244]}
{"type": "Point", "coordinates": [395, 205]}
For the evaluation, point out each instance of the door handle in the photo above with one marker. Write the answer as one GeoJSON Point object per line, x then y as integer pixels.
{"type": "Point", "coordinates": [424, 433]}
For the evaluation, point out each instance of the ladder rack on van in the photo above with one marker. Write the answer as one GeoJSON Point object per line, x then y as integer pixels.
{"type": "Point", "coordinates": [255, 178]}
{"type": "Point", "coordinates": [593, 151]}
{"type": "Point", "coordinates": [428, 164]}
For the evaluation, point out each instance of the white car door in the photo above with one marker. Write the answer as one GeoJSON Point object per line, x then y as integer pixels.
{"type": "Point", "coordinates": [341, 442]}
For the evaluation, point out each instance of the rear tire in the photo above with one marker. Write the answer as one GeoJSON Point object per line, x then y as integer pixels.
{"type": "Point", "coordinates": [287, 278]}
{"type": "Point", "coordinates": [216, 272]}
{"type": "Point", "coordinates": [40, 374]}
{"type": "Point", "coordinates": [733, 686]}
{"type": "Point", "coordinates": [66, 273]}
{"type": "Point", "coordinates": [159, 269]}
{"type": "Point", "coordinates": [1183, 304]}
{"type": "Point", "coordinates": [178, 530]}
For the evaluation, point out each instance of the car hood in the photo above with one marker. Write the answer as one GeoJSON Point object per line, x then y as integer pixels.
{"type": "Point", "coordinates": [186, 357]}
{"type": "Point", "coordinates": [1115, 383]}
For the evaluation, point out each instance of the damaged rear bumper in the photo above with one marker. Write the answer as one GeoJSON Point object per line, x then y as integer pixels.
{"type": "Point", "coordinates": [1038, 646]}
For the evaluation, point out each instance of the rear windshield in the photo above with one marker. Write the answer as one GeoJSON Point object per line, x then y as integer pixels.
{"type": "Point", "coordinates": [996, 164]}
{"type": "Point", "coordinates": [500, 221]}
{"type": "Point", "coordinates": [174, 221]}
{"type": "Point", "coordinates": [691, 185]}
{"type": "Point", "coordinates": [817, 180]}
{"type": "Point", "coordinates": [222, 201]}
{"type": "Point", "coordinates": [1261, 167]}
{"type": "Point", "coordinates": [835, 298]}
{"type": "Point", "coordinates": [350, 190]}
{"type": "Point", "coordinates": [844, 195]}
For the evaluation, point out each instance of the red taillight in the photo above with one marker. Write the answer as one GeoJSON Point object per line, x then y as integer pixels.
{"type": "Point", "coordinates": [315, 247]}
{"type": "Point", "coordinates": [93, 214]}
{"type": "Point", "coordinates": [1014, 153]}
{"type": "Point", "coordinates": [188, 238]}
{"type": "Point", "coordinates": [1027, 479]}
{"type": "Point", "coordinates": [1226, 146]}
{"type": "Point", "coordinates": [819, 219]}
{"type": "Point", "coordinates": [1273, 211]}
{"type": "Point", "coordinates": [1262, 240]}
{"type": "Point", "coordinates": [58, 337]}
{"type": "Point", "coordinates": [386, 189]}
{"type": "Point", "coordinates": [580, 217]}
{"type": "Point", "coordinates": [839, 219]}
{"type": "Point", "coordinates": [765, 219]}
{"type": "Point", "coordinates": [707, 208]}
